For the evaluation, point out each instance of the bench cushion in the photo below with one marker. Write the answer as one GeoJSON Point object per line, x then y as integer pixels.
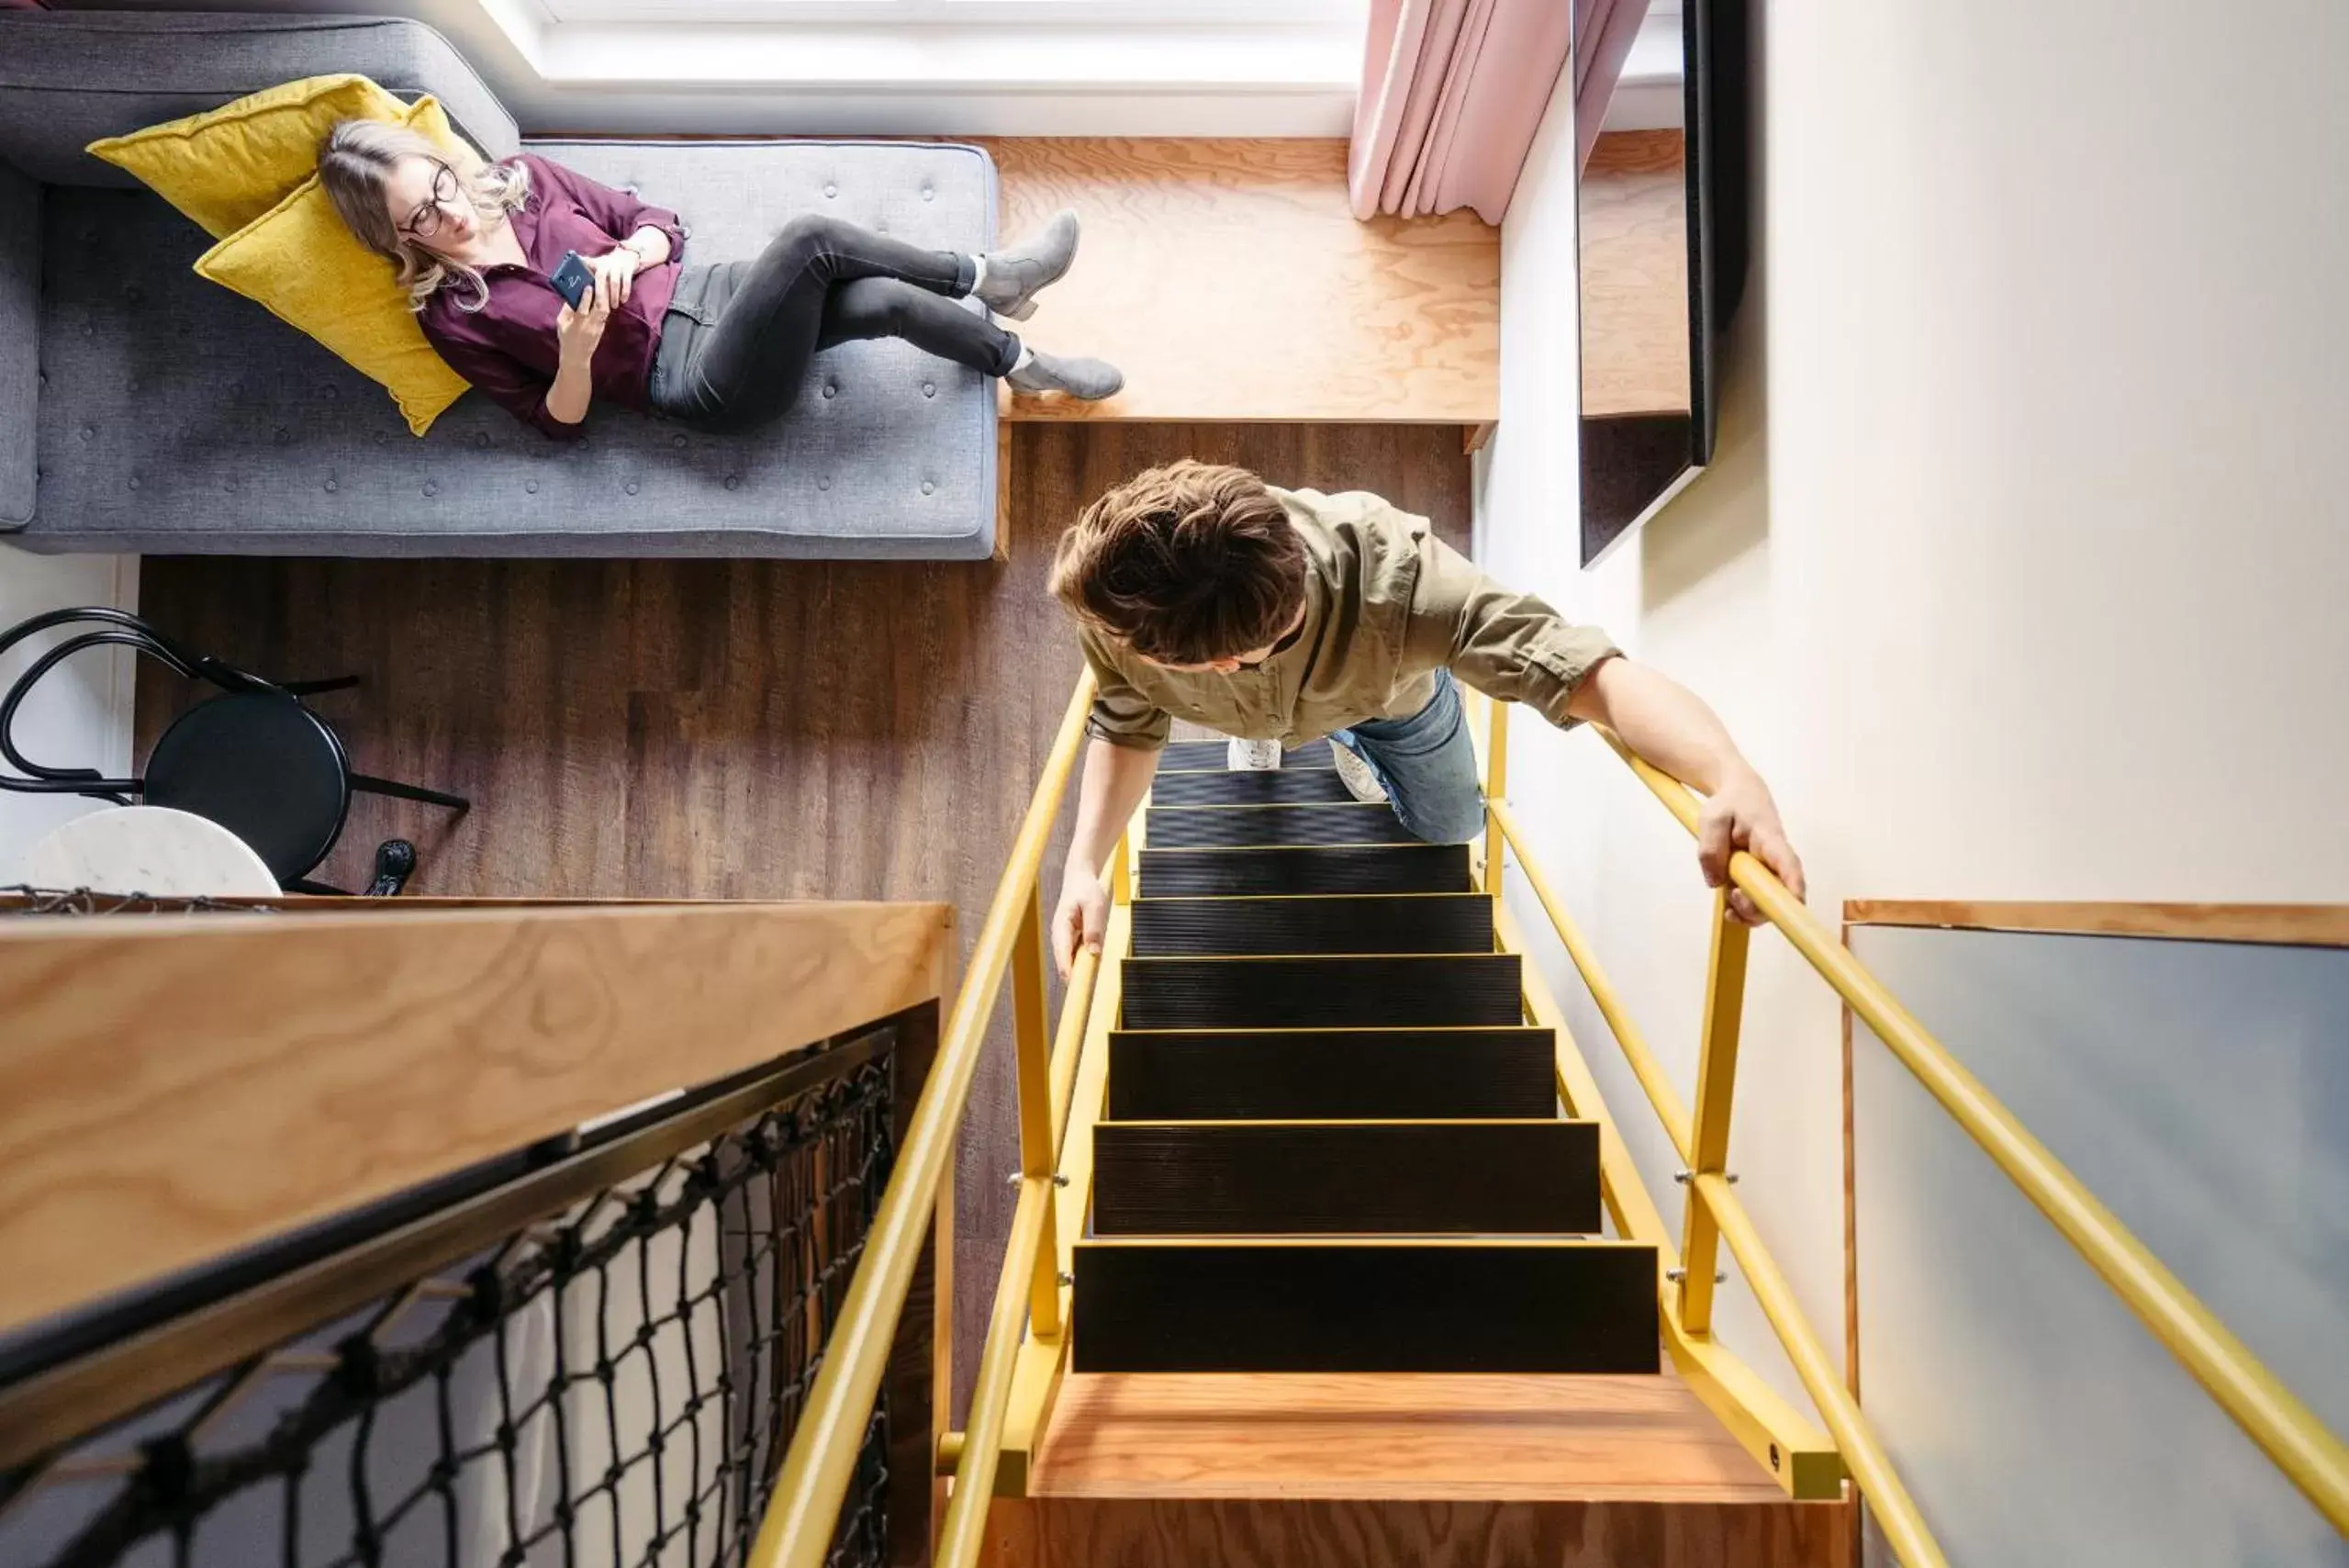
{"type": "Point", "coordinates": [19, 343]}
{"type": "Point", "coordinates": [177, 418]}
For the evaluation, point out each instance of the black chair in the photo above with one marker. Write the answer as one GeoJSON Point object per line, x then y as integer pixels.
{"type": "Point", "coordinates": [254, 759]}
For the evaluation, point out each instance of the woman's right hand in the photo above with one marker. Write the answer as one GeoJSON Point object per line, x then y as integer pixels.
{"type": "Point", "coordinates": [577, 331]}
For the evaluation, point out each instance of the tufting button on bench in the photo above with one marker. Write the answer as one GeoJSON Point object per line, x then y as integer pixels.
{"type": "Point", "coordinates": [531, 486]}
{"type": "Point", "coordinates": [824, 481]}
{"type": "Point", "coordinates": [733, 481]}
{"type": "Point", "coordinates": [134, 481]}
{"type": "Point", "coordinates": [331, 486]}
{"type": "Point", "coordinates": [677, 441]}
{"type": "Point", "coordinates": [629, 486]}
{"type": "Point", "coordinates": [831, 190]}
{"type": "Point", "coordinates": [928, 193]}
{"type": "Point", "coordinates": [431, 488]}
{"type": "Point", "coordinates": [929, 389]}
{"type": "Point", "coordinates": [829, 388]}
{"type": "Point", "coordinates": [927, 487]}
{"type": "Point", "coordinates": [481, 440]}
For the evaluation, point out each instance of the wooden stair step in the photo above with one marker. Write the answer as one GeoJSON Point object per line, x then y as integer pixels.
{"type": "Point", "coordinates": [1461, 1437]}
{"type": "Point", "coordinates": [1208, 756]}
{"type": "Point", "coordinates": [1535, 1177]}
{"type": "Point", "coordinates": [1325, 922]}
{"type": "Point", "coordinates": [1380, 868]}
{"type": "Point", "coordinates": [1218, 827]}
{"type": "Point", "coordinates": [1298, 1074]}
{"type": "Point", "coordinates": [1388, 990]}
{"type": "Point", "coordinates": [1214, 786]}
{"type": "Point", "coordinates": [1161, 1306]}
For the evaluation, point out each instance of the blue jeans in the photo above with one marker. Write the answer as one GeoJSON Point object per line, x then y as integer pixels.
{"type": "Point", "coordinates": [1427, 765]}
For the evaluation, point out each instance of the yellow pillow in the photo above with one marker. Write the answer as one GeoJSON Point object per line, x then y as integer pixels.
{"type": "Point", "coordinates": [227, 167]}
{"type": "Point", "coordinates": [310, 272]}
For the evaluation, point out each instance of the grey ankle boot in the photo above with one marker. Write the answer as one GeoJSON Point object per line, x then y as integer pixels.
{"type": "Point", "coordinates": [1089, 379]}
{"type": "Point", "coordinates": [1014, 278]}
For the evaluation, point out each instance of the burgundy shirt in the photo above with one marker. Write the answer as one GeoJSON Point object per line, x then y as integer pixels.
{"type": "Point", "coordinates": [507, 348]}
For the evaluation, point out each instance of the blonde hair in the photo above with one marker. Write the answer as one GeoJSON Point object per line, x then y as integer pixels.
{"type": "Point", "coordinates": [355, 164]}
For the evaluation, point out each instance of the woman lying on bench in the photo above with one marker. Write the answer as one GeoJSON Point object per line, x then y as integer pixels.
{"type": "Point", "coordinates": [722, 347]}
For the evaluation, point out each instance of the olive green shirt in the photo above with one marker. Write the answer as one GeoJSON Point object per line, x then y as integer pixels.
{"type": "Point", "coordinates": [1387, 604]}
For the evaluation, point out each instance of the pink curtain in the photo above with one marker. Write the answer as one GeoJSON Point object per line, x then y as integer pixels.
{"type": "Point", "coordinates": [1452, 93]}
{"type": "Point", "coordinates": [1606, 28]}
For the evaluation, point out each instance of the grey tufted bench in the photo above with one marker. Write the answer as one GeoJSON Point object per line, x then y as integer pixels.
{"type": "Point", "coordinates": [168, 416]}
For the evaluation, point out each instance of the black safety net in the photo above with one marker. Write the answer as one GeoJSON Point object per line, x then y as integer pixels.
{"type": "Point", "coordinates": [611, 1384]}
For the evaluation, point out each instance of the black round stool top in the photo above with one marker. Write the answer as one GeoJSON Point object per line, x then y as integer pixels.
{"type": "Point", "coordinates": [262, 766]}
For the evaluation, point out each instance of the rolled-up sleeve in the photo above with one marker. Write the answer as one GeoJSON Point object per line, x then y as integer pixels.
{"type": "Point", "coordinates": [1507, 645]}
{"type": "Point", "coordinates": [1121, 715]}
{"type": "Point", "coordinates": [510, 383]}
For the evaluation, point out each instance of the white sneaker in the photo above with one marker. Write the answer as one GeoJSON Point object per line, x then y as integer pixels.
{"type": "Point", "coordinates": [1356, 774]}
{"type": "Point", "coordinates": [1252, 756]}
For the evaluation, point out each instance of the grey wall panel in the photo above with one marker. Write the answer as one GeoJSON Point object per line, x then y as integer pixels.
{"type": "Point", "coordinates": [2202, 1091]}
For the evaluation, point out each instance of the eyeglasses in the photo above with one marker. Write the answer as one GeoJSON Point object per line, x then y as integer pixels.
{"type": "Point", "coordinates": [425, 221]}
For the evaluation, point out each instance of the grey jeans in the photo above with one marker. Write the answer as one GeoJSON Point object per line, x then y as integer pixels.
{"type": "Point", "coordinates": [736, 340]}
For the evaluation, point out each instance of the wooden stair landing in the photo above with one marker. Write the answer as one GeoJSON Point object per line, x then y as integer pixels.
{"type": "Point", "coordinates": [1229, 280]}
{"type": "Point", "coordinates": [1368, 1437]}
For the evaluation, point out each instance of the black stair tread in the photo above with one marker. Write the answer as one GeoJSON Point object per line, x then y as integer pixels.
{"type": "Point", "coordinates": [1319, 822]}
{"type": "Point", "coordinates": [1211, 787]}
{"type": "Point", "coordinates": [1158, 1306]}
{"type": "Point", "coordinates": [1532, 1176]}
{"type": "Point", "coordinates": [1375, 990]}
{"type": "Point", "coordinates": [1375, 868]}
{"type": "Point", "coordinates": [1314, 923]}
{"type": "Point", "coordinates": [1194, 756]}
{"type": "Point", "coordinates": [1235, 1074]}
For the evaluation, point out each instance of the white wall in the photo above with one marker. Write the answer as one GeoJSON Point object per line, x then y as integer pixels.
{"type": "Point", "coordinates": [2020, 572]}
{"type": "Point", "coordinates": [80, 715]}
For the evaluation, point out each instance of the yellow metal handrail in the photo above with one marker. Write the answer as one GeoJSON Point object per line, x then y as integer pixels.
{"type": "Point", "coordinates": [2311, 1456]}
{"type": "Point", "coordinates": [804, 1510]}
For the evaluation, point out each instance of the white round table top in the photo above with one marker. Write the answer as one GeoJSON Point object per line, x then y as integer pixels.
{"type": "Point", "coordinates": [153, 850]}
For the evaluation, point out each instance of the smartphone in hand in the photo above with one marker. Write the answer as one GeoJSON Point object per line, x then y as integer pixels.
{"type": "Point", "coordinates": [573, 281]}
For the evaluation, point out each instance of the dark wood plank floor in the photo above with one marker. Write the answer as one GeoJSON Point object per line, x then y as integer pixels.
{"type": "Point", "coordinates": [737, 729]}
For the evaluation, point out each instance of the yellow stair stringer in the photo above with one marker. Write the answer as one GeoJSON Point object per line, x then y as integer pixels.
{"type": "Point", "coordinates": [1799, 1454]}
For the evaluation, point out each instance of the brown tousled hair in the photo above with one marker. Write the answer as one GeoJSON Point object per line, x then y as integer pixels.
{"type": "Point", "coordinates": [1186, 563]}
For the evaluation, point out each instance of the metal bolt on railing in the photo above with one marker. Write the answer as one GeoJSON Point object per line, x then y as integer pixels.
{"type": "Point", "coordinates": [1680, 1276]}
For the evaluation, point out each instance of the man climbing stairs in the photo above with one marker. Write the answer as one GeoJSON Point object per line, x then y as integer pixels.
{"type": "Point", "coordinates": [1331, 1143]}
{"type": "Point", "coordinates": [1339, 1296]}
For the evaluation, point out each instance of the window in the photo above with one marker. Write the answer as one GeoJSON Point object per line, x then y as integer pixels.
{"type": "Point", "coordinates": [969, 13]}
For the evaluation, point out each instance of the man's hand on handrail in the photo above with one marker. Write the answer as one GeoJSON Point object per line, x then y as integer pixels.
{"type": "Point", "coordinates": [1740, 814]}
{"type": "Point", "coordinates": [1114, 781]}
{"type": "Point", "coordinates": [1670, 727]}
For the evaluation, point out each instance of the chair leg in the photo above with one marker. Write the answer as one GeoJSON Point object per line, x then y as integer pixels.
{"type": "Point", "coordinates": [369, 785]}
{"type": "Point", "coordinates": [395, 863]}
{"type": "Point", "coordinates": [312, 688]}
